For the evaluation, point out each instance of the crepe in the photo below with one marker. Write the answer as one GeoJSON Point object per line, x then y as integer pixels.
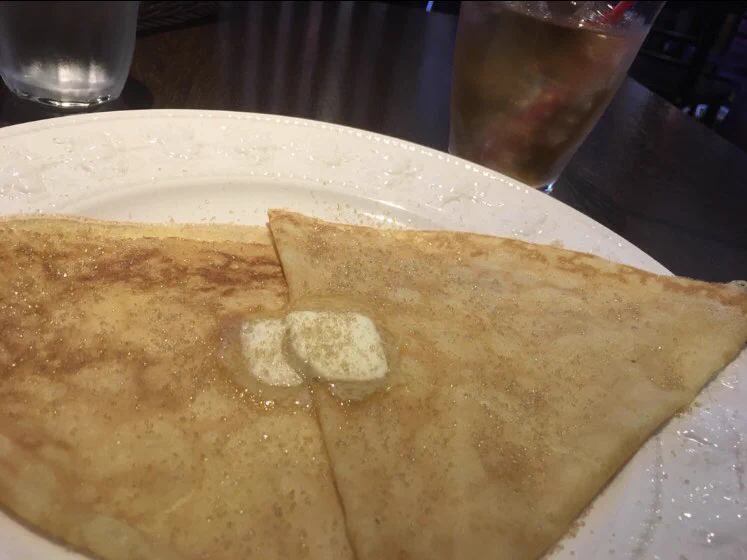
{"type": "Point", "coordinates": [522, 378]}
{"type": "Point", "coordinates": [126, 427]}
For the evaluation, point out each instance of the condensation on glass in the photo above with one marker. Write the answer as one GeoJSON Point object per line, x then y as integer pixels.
{"type": "Point", "coordinates": [67, 54]}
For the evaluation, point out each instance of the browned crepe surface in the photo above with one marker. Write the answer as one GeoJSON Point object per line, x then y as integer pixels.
{"type": "Point", "coordinates": [125, 430]}
{"type": "Point", "coordinates": [522, 377]}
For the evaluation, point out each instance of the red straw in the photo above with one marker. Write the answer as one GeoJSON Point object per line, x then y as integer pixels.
{"type": "Point", "coordinates": [616, 13]}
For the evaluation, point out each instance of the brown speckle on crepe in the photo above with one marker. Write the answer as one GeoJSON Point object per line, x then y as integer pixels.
{"type": "Point", "coordinates": [527, 376]}
{"type": "Point", "coordinates": [521, 378]}
{"type": "Point", "coordinates": [124, 430]}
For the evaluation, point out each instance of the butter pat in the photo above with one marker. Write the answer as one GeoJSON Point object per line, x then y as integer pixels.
{"type": "Point", "coordinates": [262, 345]}
{"type": "Point", "coordinates": [335, 346]}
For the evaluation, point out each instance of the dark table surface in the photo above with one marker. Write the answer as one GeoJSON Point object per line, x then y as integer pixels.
{"type": "Point", "coordinates": [661, 180]}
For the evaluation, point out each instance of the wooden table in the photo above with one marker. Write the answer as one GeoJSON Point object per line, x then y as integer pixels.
{"type": "Point", "coordinates": [653, 175]}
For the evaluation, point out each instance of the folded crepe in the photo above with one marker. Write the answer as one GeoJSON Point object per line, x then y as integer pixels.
{"type": "Point", "coordinates": [126, 427]}
{"type": "Point", "coordinates": [521, 379]}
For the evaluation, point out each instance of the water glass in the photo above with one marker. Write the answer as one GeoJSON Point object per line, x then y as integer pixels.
{"type": "Point", "coordinates": [67, 54]}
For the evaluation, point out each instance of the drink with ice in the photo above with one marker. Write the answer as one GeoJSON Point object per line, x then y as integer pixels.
{"type": "Point", "coordinates": [532, 78]}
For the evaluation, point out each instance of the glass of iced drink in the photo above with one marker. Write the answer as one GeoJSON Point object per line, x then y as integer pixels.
{"type": "Point", "coordinates": [67, 54]}
{"type": "Point", "coordinates": [531, 79]}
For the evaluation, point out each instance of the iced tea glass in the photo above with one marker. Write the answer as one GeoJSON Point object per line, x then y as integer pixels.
{"type": "Point", "coordinates": [531, 79]}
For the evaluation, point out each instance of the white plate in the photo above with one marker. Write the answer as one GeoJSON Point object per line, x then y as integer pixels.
{"type": "Point", "coordinates": [682, 496]}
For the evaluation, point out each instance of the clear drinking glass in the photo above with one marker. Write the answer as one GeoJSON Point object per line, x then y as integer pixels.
{"type": "Point", "coordinates": [531, 79]}
{"type": "Point", "coordinates": [67, 54]}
